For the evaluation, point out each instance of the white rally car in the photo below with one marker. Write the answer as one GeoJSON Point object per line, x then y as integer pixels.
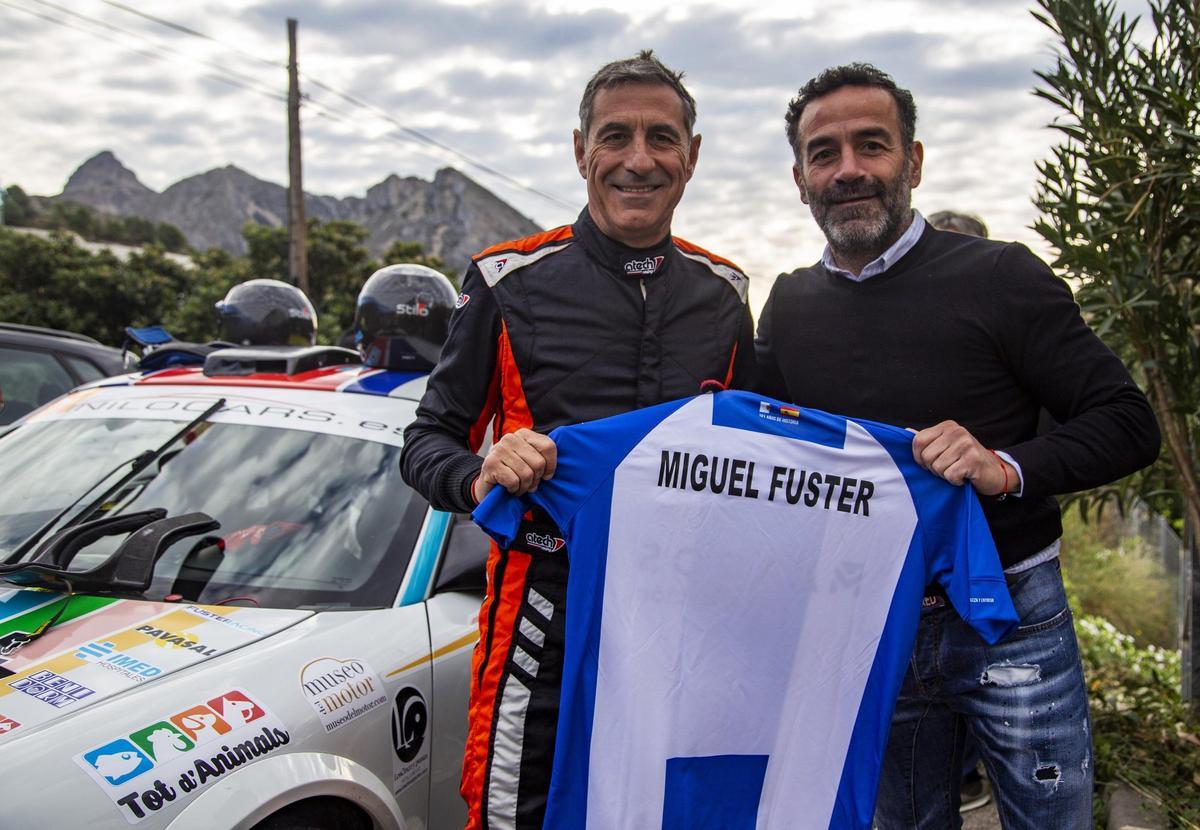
{"type": "Point", "coordinates": [224, 608]}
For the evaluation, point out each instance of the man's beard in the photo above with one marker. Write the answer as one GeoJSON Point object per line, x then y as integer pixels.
{"type": "Point", "coordinates": [864, 229]}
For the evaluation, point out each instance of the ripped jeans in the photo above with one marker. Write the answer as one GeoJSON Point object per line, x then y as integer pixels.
{"type": "Point", "coordinates": [1022, 699]}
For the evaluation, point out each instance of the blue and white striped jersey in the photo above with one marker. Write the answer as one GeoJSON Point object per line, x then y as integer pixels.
{"type": "Point", "coordinates": [745, 585]}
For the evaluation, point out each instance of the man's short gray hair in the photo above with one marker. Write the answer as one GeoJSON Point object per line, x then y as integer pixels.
{"type": "Point", "coordinates": [643, 69]}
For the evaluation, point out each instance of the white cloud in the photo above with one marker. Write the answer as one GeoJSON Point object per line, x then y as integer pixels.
{"type": "Point", "coordinates": [500, 81]}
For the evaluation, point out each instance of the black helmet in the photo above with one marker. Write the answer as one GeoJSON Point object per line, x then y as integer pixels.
{"type": "Point", "coordinates": [267, 313]}
{"type": "Point", "coordinates": [402, 316]}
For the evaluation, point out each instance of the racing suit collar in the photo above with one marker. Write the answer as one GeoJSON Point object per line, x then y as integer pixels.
{"type": "Point", "coordinates": [635, 263]}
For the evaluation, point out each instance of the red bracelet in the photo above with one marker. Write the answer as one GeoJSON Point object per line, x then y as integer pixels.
{"type": "Point", "coordinates": [1003, 469]}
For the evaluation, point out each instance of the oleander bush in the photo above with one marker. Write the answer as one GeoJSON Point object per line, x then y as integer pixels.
{"type": "Point", "coordinates": [1144, 735]}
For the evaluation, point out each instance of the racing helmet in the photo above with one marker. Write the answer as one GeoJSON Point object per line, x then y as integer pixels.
{"type": "Point", "coordinates": [267, 313]}
{"type": "Point", "coordinates": [402, 316]}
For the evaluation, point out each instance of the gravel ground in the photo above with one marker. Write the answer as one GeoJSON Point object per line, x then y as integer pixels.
{"type": "Point", "coordinates": [984, 818]}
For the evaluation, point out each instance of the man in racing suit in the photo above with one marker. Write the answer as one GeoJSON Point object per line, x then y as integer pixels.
{"type": "Point", "coordinates": [581, 322]}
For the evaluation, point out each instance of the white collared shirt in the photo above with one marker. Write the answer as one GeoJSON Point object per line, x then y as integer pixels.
{"type": "Point", "coordinates": [885, 260]}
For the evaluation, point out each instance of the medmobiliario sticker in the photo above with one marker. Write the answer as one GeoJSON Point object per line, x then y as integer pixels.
{"type": "Point", "coordinates": [167, 762]}
{"type": "Point", "coordinates": [341, 690]}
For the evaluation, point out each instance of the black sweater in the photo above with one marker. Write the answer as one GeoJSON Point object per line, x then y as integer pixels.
{"type": "Point", "coordinates": [971, 330]}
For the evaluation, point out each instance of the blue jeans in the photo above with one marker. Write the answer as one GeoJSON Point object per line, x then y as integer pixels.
{"type": "Point", "coordinates": [1023, 701]}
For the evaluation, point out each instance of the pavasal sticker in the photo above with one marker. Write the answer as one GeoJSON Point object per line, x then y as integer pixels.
{"type": "Point", "coordinates": [410, 722]}
{"type": "Point", "coordinates": [168, 761]}
{"type": "Point", "coordinates": [341, 690]}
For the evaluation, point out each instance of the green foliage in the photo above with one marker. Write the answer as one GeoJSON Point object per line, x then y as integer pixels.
{"type": "Point", "coordinates": [21, 211]}
{"type": "Point", "coordinates": [338, 265]}
{"type": "Point", "coordinates": [1120, 579]}
{"type": "Point", "coordinates": [1121, 207]}
{"type": "Point", "coordinates": [59, 284]}
{"type": "Point", "coordinates": [16, 206]}
{"type": "Point", "coordinates": [1143, 734]}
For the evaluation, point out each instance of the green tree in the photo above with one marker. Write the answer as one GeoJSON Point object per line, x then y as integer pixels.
{"type": "Point", "coordinates": [16, 206]}
{"type": "Point", "coordinates": [1121, 206]}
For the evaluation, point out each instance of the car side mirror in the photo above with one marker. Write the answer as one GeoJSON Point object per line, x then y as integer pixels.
{"type": "Point", "coordinates": [464, 561]}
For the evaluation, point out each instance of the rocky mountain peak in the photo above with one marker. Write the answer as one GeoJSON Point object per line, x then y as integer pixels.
{"type": "Point", "coordinates": [104, 183]}
{"type": "Point", "coordinates": [452, 217]}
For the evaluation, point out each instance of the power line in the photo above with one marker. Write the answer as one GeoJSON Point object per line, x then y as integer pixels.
{"type": "Point", "coordinates": [179, 27]}
{"type": "Point", "coordinates": [321, 109]}
{"type": "Point", "coordinates": [374, 109]}
{"type": "Point", "coordinates": [222, 73]}
{"type": "Point", "coordinates": [161, 53]}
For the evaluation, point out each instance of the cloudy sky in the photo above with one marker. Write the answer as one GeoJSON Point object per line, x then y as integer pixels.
{"type": "Point", "coordinates": [498, 81]}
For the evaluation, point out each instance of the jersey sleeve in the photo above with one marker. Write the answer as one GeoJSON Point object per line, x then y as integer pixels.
{"type": "Point", "coordinates": [438, 459]}
{"type": "Point", "coordinates": [959, 552]}
{"type": "Point", "coordinates": [588, 454]}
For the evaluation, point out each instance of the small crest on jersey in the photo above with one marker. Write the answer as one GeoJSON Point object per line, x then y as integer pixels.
{"type": "Point", "coordinates": [462, 300]}
{"type": "Point", "coordinates": [544, 541]}
{"type": "Point", "coordinates": [643, 267]}
{"type": "Point", "coordinates": [778, 412]}
{"type": "Point", "coordinates": [499, 265]}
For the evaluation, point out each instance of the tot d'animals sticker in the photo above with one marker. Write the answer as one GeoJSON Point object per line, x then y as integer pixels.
{"type": "Point", "coordinates": [168, 761]}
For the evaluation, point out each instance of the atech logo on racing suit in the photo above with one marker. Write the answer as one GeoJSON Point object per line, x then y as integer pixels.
{"type": "Point", "coordinates": [544, 541]}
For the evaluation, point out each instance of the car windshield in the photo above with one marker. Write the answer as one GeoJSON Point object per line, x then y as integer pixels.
{"type": "Point", "coordinates": [308, 519]}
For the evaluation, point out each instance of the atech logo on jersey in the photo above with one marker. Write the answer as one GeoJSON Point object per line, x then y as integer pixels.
{"type": "Point", "coordinates": [642, 267]}
{"type": "Point", "coordinates": [546, 542]}
{"type": "Point", "coordinates": [462, 300]}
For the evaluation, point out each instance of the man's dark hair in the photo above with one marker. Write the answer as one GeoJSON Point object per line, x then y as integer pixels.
{"type": "Point", "coordinates": [851, 74]}
{"type": "Point", "coordinates": [643, 69]}
{"type": "Point", "coordinates": [952, 220]}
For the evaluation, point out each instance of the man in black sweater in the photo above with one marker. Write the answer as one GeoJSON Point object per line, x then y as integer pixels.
{"type": "Point", "coordinates": [964, 340]}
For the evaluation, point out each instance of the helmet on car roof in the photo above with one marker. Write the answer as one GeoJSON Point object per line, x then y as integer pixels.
{"type": "Point", "coordinates": [402, 316]}
{"type": "Point", "coordinates": [267, 313]}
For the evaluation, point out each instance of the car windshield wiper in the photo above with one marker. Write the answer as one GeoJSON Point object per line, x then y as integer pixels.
{"type": "Point", "coordinates": [136, 464]}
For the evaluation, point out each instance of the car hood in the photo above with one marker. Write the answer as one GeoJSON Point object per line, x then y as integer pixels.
{"type": "Point", "coordinates": [101, 646]}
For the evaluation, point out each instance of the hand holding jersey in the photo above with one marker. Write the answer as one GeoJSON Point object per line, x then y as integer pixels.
{"type": "Point", "coordinates": [517, 462]}
{"type": "Point", "coordinates": [950, 451]}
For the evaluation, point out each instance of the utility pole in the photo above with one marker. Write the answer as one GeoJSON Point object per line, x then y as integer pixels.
{"type": "Point", "coordinates": [297, 224]}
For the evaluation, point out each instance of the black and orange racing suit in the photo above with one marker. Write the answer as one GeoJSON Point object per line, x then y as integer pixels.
{"type": "Point", "coordinates": [557, 328]}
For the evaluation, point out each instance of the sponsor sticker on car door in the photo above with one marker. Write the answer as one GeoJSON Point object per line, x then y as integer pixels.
{"type": "Point", "coordinates": [168, 760]}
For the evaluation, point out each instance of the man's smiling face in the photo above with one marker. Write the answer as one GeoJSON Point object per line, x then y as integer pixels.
{"type": "Point", "coordinates": [853, 169]}
{"type": "Point", "coordinates": [636, 158]}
